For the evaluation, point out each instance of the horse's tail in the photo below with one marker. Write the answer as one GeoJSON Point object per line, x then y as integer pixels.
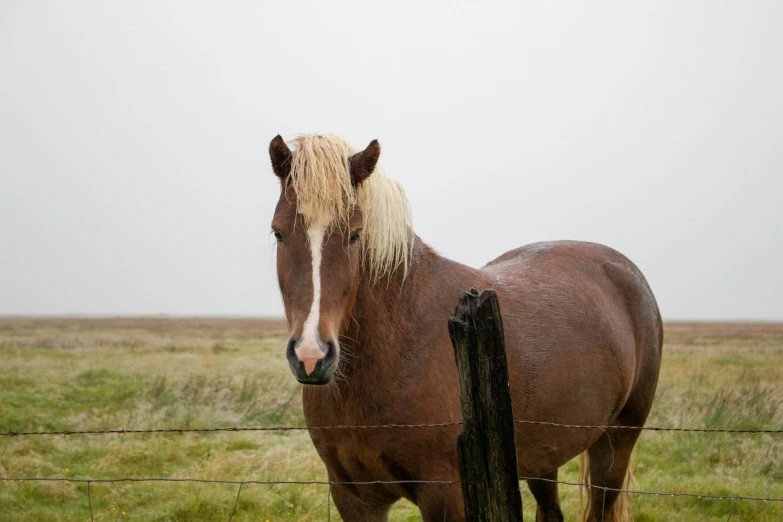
{"type": "Point", "coordinates": [621, 510]}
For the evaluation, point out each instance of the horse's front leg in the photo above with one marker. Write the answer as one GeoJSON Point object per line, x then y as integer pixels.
{"type": "Point", "coordinates": [357, 503]}
{"type": "Point", "coordinates": [440, 502]}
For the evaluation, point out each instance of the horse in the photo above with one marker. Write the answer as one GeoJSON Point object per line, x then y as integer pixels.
{"type": "Point", "coordinates": [367, 304]}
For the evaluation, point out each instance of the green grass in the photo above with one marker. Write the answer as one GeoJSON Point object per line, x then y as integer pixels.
{"type": "Point", "coordinates": [144, 374]}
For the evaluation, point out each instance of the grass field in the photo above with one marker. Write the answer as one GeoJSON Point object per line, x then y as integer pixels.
{"type": "Point", "coordinates": [69, 374]}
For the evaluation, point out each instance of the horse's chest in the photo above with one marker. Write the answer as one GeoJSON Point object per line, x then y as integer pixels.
{"type": "Point", "coordinates": [362, 460]}
{"type": "Point", "coordinates": [357, 457]}
{"type": "Point", "coordinates": [381, 453]}
{"type": "Point", "coordinates": [350, 454]}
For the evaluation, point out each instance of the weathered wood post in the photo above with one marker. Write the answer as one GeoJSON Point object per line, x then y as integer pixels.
{"type": "Point", "coordinates": [487, 454]}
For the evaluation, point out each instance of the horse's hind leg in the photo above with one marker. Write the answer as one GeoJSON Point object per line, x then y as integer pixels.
{"type": "Point", "coordinates": [547, 498]}
{"type": "Point", "coordinates": [610, 458]}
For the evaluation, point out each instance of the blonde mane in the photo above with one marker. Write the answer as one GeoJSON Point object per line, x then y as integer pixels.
{"type": "Point", "coordinates": [320, 176]}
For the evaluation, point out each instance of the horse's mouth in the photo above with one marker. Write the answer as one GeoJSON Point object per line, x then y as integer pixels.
{"type": "Point", "coordinates": [314, 381]}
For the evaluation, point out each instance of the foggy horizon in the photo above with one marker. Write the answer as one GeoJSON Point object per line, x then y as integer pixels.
{"type": "Point", "coordinates": [135, 178]}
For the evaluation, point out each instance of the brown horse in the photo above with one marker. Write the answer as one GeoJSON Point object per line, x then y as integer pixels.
{"type": "Point", "coordinates": [368, 303]}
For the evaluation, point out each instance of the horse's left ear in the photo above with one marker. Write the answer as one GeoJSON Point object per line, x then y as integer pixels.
{"type": "Point", "coordinates": [363, 163]}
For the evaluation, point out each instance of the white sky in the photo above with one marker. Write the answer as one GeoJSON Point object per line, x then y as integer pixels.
{"type": "Point", "coordinates": [134, 176]}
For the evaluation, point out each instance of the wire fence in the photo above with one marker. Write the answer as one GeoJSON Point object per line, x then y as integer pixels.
{"type": "Point", "coordinates": [750, 431]}
{"type": "Point", "coordinates": [446, 483]}
{"type": "Point", "coordinates": [242, 483]}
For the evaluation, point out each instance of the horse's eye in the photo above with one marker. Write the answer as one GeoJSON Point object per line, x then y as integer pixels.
{"type": "Point", "coordinates": [355, 235]}
{"type": "Point", "coordinates": [278, 236]}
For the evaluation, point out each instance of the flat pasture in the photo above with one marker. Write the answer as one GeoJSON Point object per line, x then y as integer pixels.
{"type": "Point", "coordinates": [155, 373]}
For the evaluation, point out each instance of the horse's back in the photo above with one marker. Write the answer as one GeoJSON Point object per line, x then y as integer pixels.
{"type": "Point", "coordinates": [572, 279]}
{"type": "Point", "coordinates": [583, 335]}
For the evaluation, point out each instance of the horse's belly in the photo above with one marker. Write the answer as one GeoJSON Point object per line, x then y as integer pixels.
{"type": "Point", "coordinates": [562, 378]}
{"type": "Point", "coordinates": [572, 372]}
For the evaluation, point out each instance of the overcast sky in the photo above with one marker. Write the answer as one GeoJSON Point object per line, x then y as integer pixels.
{"type": "Point", "coordinates": [134, 175]}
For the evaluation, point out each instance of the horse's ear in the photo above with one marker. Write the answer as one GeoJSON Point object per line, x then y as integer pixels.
{"type": "Point", "coordinates": [363, 163]}
{"type": "Point", "coordinates": [281, 157]}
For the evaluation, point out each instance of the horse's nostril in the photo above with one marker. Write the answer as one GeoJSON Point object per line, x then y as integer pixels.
{"type": "Point", "coordinates": [290, 353]}
{"type": "Point", "coordinates": [330, 354]}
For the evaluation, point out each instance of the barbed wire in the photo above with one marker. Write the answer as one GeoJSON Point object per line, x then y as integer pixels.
{"type": "Point", "coordinates": [655, 428]}
{"type": "Point", "coordinates": [233, 428]}
{"type": "Point", "coordinates": [373, 482]}
{"type": "Point", "coordinates": [658, 493]}
{"type": "Point", "coordinates": [221, 481]}
{"type": "Point", "coordinates": [122, 431]}
{"type": "Point", "coordinates": [242, 483]}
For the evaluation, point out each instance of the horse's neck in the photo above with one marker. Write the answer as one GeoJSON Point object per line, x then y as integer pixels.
{"type": "Point", "coordinates": [395, 320]}
{"type": "Point", "coordinates": [396, 336]}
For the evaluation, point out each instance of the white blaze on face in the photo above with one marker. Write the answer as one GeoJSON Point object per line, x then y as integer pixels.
{"type": "Point", "coordinates": [308, 351]}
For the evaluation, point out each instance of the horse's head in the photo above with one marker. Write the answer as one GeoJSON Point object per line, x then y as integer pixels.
{"type": "Point", "coordinates": [319, 224]}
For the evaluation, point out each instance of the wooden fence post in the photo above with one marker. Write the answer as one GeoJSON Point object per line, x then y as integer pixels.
{"type": "Point", "coordinates": [487, 454]}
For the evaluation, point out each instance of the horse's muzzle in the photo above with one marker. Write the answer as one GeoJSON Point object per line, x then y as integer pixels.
{"type": "Point", "coordinates": [302, 366]}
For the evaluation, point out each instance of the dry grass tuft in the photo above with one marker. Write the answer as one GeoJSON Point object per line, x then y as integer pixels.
{"type": "Point", "coordinates": [60, 374]}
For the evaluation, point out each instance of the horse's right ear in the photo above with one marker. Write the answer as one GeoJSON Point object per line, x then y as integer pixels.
{"type": "Point", "coordinates": [363, 163]}
{"type": "Point", "coordinates": [281, 157]}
